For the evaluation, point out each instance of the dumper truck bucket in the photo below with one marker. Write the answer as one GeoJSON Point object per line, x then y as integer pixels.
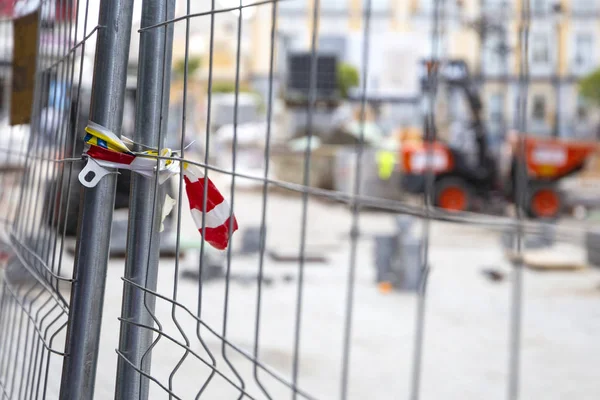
{"type": "Point", "coordinates": [551, 159]}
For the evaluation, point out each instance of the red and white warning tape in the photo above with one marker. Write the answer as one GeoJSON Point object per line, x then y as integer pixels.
{"type": "Point", "coordinates": [106, 150]}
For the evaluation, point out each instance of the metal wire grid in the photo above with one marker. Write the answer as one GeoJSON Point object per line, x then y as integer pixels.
{"type": "Point", "coordinates": [218, 358]}
{"type": "Point", "coordinates": [34, 282]}
{"type": "Point", "coordinates": [153, 330]}
{"type": "Point", "coordinates": [204, 331]}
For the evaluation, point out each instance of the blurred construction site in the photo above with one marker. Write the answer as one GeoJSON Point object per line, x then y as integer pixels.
{"type": "Point", "coordinates": [299, 198]}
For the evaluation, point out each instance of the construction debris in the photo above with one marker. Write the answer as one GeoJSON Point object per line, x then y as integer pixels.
{"type": "Point", "coordinates": [398, 258]}
{"type": "Point", "coordinates": [493, 274]}
{"type": "Point", "coordinates": [281, 256]}
{"type": "Point", "coordinates": [561, 257]}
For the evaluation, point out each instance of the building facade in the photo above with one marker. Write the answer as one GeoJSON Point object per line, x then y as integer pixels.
{"type": "Point", "coordinates": [564, 44]}
{"type": "Point", "coordinates": [564, 40]}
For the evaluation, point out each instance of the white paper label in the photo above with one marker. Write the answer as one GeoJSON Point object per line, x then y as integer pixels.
{"type": "Point", "coordinates": [432, 159]}
{"type": "Point", "coordinates": [547, 155]}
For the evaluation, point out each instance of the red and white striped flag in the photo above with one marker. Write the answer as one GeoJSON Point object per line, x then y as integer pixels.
{"type": "Point", "coordinates": [218, 213]}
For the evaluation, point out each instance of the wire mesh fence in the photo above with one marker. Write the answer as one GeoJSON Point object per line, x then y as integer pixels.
{"type": "Point", "coordinates": [42, 60]}
{"type": "Point", "coordinates": [300, 303]}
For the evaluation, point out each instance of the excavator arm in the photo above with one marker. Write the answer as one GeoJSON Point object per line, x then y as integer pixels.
{"type": "Point", "coordinates": [455, 74]}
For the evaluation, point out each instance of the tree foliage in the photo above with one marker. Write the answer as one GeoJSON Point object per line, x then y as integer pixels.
{"type": "Point", "coordinates": [194, 63]}
{"type": "Point", "coordinates": [589, 87]}
{"type": "Point", "coordinates": [225, 87]}
{"type": "Point", "coordinates": [347, 78]}
{"type": "Point", "coordinates": [229, 87]}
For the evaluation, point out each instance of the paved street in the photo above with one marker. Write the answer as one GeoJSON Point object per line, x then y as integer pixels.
{"type": "Point", "coordinates": [467, 318]}
{"type": "Point", "coordinates": [467, 325]}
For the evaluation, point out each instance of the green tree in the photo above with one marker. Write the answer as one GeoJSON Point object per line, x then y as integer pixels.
{"type": "Point", "coordinates": [347, 78]}
{"type": "Point", "coordinates": [194, 63]}
{"type": "Point", "coordinates": [589, 87]}
{"type": "Point", "coordinates": [229, 87]}
{"type": "Point", "coordinates": [225, 87]}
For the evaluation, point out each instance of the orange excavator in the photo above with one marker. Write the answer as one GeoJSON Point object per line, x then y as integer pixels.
{"type": "Point", "coordinates": [462, 182]}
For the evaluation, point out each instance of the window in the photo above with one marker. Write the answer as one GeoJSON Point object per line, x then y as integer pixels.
{"type": "Point", "coordinates": [332, 5]}
{"type": "Point", "coordinates": [495, 5]}
{"type": "Point", "coordinates": [373, 83]}
{"type": "Point", "coordinates": [496, 107]}
{"type": "Point", "coordinates": [333, 44]}
{"type": "Point", "coordinates": [377, 5]}
{"type": "Point", "coordinates": [539, 6]}
{"type": "Point", "coordinates": [584, 48]}
{"type": "Point", "coordinates": [540, 51]}
{"type": "Point", "coordinates": [538, 110]}
{"type": "Point", "coordinates": [583, 6]}
{"type": "Point", "coordinates": [495, 56]}
{"type": "Point", "coordinates": [582, 109]}
{"type": "Point", "coordinates": [291, 6]}
{"type": "Point", "coordinates": [3, 87]}
{"type": "Point", "coordinates": [293, 41]}
{"type": "Point", "coordinates": [426, 5]}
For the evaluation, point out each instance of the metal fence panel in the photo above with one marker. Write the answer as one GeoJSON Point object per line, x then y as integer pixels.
{"type": "Point", "coordinates": [35, 278]}
{"type": "Point", "coordinates": [97, 205]}
{"type": "Point", "coordinates": [267, 318]}
{"type": "Point", "coordinates": [44, 303]}
{"type": "Point", "coordinates": [147, 197]}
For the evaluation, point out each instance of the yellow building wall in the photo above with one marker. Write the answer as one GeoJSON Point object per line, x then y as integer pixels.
{"type": "Point", "coordinates": [462, 41]}
{"type": "Point", "coordinates": [355, 21]}
{"type": "Point", "coordinates": [464, 44]}
{"type": "Point", "coordinates": [260, 53]}
{"type": "Point", "coordinates": [564, 34]}
{"type": "Point", "coordinates": [563, 44]}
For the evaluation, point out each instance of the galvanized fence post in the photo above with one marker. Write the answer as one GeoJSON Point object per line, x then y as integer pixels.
{"type": "Point", "coordinates": [143, 239]}
{"type": "Point", "coordinates": [93, 234]}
